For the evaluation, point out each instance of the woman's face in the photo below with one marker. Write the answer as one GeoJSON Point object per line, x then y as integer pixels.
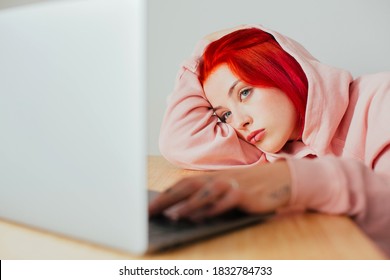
{"type": "Point", "coordinates": [264, 117]}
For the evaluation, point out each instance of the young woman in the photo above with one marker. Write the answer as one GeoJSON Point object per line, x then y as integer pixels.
{"type": "Point", "coordinates": [284, 130]}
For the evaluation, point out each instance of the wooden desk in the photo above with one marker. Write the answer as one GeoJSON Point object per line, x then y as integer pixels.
{"type": "Point", "coordinates": [307, 236]}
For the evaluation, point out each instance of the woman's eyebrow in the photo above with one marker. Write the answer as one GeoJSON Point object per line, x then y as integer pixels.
{"type": "Point", "coordinates": [217, 108]}
{"type": "Point", "coordinates": [232, 87]}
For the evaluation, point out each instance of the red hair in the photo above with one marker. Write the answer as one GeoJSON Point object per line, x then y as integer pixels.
{"type": "Point", "coordinates": [257, 59]}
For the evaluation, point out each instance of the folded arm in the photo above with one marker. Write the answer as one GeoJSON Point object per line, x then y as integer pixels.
{"type": "Point", "coordinates": [345, 186]}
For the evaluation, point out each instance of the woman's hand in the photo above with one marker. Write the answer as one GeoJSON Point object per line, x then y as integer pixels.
{"type": "Point", "coordinates": [257, 189]}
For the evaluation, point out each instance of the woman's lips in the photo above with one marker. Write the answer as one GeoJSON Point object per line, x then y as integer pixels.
{"type": "Point", "coordinates": [255, 136]}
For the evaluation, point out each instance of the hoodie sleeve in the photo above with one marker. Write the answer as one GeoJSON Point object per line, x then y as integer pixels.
{"type": "Point", "coordinates": [346, 186]}
{"type": "Point", "coordinates": [191, 136]}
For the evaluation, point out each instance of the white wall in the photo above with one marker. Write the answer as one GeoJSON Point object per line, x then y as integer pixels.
{"type": "Point", "coordinates": [13, 3]}
{"type": "Point", "coordinates": [351, 34]}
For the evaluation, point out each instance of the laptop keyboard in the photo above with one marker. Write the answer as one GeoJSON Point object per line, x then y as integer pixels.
{"type": "Point", "coordinates": [161, 225]}
{"type": "Point", "coordinates": [165, 233]}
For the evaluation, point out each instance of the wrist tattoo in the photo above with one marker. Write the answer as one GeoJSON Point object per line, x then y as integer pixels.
{"type": "Point", "coordinates": [204, 194]}
{"type": "Point", "coordinates": [281, 193]}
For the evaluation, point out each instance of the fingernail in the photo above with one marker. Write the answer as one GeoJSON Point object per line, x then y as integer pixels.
{"type": "Point", "coordinates": [173, 212]}
{"type": "Point", "coordinates": [172, 215]}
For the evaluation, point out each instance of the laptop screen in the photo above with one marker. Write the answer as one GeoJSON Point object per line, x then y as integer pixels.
{"type": "Point", "coordinates": [73, 120]}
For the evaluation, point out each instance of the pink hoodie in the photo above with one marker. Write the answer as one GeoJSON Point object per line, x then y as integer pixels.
{"type": "Point", "coordinates": [342, 164]}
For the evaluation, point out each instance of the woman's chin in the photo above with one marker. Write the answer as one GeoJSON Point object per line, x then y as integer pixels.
{"type": "Point", "coordinates": [267, 148]}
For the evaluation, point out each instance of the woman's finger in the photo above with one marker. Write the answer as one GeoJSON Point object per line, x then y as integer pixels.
{"type": "Point", "coordinates": [205, 196]}
{"type": "Point", "coordinates": [228, 201]}
{"type": "Point", "coordinates": [175, 194]}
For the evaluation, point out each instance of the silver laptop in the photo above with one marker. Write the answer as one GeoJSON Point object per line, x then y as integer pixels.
{"type": "Point", "coordinates": [73, 125]}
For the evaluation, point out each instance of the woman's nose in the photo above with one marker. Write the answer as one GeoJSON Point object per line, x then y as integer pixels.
{"type": "Point", "coordinates": [242, 121]}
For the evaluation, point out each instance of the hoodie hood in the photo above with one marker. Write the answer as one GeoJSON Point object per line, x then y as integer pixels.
{"type": "Point", "coordinates": [328, 95]}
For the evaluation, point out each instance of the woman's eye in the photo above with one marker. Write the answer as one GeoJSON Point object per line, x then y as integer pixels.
{"type": "Point", "coordinates": [225, 116]}
{"type": "Point", "coordinates": [245, 93]}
